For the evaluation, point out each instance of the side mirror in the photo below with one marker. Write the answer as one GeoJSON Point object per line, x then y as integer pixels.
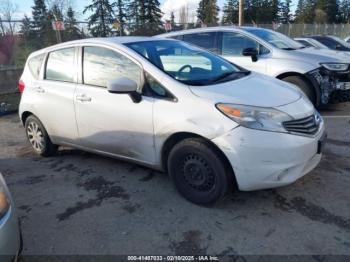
{"type": "Point", "coordinates": [124, 85]}
{"type": "Point", "coordinates": [252, 52]}
{"type": "Point", "coordinates": [338, 47]}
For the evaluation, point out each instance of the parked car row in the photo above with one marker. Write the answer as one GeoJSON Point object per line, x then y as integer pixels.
{"type": "Point", "coordinates": [322, 76]}
{"type": "Point", "coordinates": [212, 120]}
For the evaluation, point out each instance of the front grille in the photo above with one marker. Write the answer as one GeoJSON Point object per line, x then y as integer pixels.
{"type": "Point", "coordinates": [306, 126]}
{"type": "Point", "coordinates": [344, 77]}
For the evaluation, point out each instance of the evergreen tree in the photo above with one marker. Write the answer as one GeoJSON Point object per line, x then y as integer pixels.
{"type": "Point", "coordinates": [285, 12]}
{"type": "Point", "coordinates": [55, 13]}
{"type": "Point", "coordinates": [72, 32]}
{"type": "Point", "coordinates": [121, 15]}
{"type": "Point", "coordinates": [153, 17]}
{"type": "Point", "coordinates": [230, 12]}
{"type": "Point", "coordinates": [262, 11]}
{"type": "Point", "coordinates": [207, 12]}
{"type": "Point", "coordinates": [41, 25]}
{"type": "Point", "coordinates": [344, 11]}
{"type": "Point", "coordinates": [305, 12]}
{"type": "Point", "coordinates": [330, 8]}
{"type": "Point", "coordinates": [26, 28]}
{"type": "Point", "coordinates": [102, 18]}
{"type": "Point", "coordinates": [134, 16]}
{"type": "Point", "coordinates": [172, 20]}
{"type": "Point", "coordinates": [145, 17]}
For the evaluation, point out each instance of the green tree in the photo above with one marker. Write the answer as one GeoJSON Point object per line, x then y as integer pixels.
{"type": "Point", "coordinates": [172, 20]}
{"type": "Point", "coordinates": [101, 19]}
{"type": "Point", "coordinates": [41, 25]}
{"type": "Point", "coordinates": [25, 46]}
{"type": "Point", "coordinates": [262, 11]}
{"type": "Point", "coordinates": [305, 12]}
{"type": "Point", "coordinates": [230, 12]}
{"type": "Point", "coordinates": [153, 17]}
{"type": "Point", "coordinates": [344, 11]}
{"type": "Point", "coordinates": [145, 17]}
{"type": "Point", "coordinates": [71, 32]}
{"type": "Point", "coordinates": [121, 15]}
{"type": "Point", "coordinates": [137, 16]}
{"type": "Point", "coordinates": [207, 12]}
{"type": "Point", "coordinates": [330, 8]}
{"type": "Point", "coordinates": [285, 15]}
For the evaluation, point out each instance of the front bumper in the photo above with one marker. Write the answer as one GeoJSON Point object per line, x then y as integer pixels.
{"type": "Point", "coordinates": [333, 87]}
{"type": "Point", "coordinates": [263, 159]}
{"type": "Point", "coordinates": [9, 237]}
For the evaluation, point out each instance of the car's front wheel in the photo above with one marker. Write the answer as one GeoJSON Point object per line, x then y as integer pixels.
{"type": "Point", "coordinates": [199, 172]}
{"type": "Point", "coordinates": [38, 137]}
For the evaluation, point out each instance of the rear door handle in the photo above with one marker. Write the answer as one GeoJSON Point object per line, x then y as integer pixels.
{"type": "Point", "coordinates": [83, 98]}
{"type": "Point", "coordinates": [39, 89]}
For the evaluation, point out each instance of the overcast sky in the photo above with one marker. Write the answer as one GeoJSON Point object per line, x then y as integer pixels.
{"type": "Point", "coordinates": [24, 6]}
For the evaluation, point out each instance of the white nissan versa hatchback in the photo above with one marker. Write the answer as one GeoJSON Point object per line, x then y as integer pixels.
{"type": "Point", "coordinates": [174, 107]}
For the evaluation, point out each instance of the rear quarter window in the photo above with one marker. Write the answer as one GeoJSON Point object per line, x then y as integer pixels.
{"type": "Point", "coordinates": [206, 40]}
{"type": "Point", "coordinates": [60, 65]}
{"type": "Point", "coordinates": [34, 65]}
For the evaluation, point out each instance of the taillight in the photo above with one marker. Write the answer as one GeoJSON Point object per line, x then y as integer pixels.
{"type": "Point", "coordinates": [21, 86]}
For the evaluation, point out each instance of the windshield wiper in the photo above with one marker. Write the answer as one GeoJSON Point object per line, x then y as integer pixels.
{"type": "Point", "coordinates": [289, 48]}
{"type": "Point", "coordinates": [222, 77]}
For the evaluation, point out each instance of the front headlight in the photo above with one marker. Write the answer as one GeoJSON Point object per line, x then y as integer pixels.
{"type": "Point", "coordinates": [335, 66]}
{"type": "Point", "coordinates": [4, 204]}
{"type": "Point", "coordinates": [261, 118]}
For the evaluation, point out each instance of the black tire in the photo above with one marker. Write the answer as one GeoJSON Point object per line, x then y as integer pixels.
{"type": "Point", "coordinates": [199, 172]}
{"type": "Point", "coordinates": [38, 138]}
{"type": "Point", "coordinates": [303, 85]}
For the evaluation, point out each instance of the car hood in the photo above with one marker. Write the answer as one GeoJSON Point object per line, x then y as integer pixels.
{"type": "Point", "coordinates": [254, 90]}
{"type": "Point", "coordinates": [322, 55]}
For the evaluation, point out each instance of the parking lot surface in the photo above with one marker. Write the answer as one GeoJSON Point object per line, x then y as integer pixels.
{"type": "Point", "coordinates": [80, 203]}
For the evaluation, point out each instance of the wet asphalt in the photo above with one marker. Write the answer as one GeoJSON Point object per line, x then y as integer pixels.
{"type": "Point", "coordinates": [81, 203]}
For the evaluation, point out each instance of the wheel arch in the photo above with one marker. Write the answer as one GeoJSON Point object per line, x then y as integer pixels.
{"type": "Point", "coordinates": [25, 115]}
{"type": "Point", "coordinates": [174, 139]}
{"type": "Point", "coordinates": [310, 81]}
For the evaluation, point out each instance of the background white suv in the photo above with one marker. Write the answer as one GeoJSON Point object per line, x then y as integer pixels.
{"type": "Point", "coordinates": [268, 52]}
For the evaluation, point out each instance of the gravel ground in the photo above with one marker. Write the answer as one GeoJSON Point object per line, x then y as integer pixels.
{"type": "Point", "coordinates": [80, 203]}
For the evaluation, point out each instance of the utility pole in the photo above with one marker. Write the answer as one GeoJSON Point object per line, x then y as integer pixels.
{"type": "Point", "coordinates": [241, 13]}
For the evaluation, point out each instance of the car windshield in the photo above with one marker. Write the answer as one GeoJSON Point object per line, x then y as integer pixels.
{"type": "Point", "coordinates": [317, 44]}
{"type": "Point", "coordinates": [333, 42]}
{"type": "Point", "coordinates": [187, 64]}
{"type": "Point", "coordinates": [276, 39]}
{"type": "Point", "coordinates": [341, 41]}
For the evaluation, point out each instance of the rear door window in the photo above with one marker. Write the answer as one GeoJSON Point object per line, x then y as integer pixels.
{"type": "Point", "coordinates": [34, 65]}
{"type": "Point", "coordinates": [60, 65]}
{"type": "Point", "coordinates": [206, 40]}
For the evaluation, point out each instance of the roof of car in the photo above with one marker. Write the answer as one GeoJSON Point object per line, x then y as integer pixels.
{"type": "Point", "coordinates": [102, 40]}
{"type": "Point", "coordinates": [215, 28]}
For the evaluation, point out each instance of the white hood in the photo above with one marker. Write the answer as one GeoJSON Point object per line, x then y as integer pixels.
{"type": "Point", "coordinates": [254, 90]}
{"type": "Point", "coordinates": [327, 53]}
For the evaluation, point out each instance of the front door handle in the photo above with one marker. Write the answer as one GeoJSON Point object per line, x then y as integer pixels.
{"type": "Point", "coordinates": [39, 89]}
{"type": "Point", "coordinates": [83, 98]}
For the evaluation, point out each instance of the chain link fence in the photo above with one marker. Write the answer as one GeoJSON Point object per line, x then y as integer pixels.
{"type": "Point", "coordinates": [13, 55]}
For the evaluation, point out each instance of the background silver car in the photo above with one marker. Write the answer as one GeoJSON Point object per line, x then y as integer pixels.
{"type": "Point", "coordinates": [9, 228]}
{"type": "Point", "coordinates": [265, 51]}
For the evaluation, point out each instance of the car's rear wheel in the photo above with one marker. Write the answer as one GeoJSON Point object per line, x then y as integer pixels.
{"type": "Point", "coordinates": [199, 172]}
{"type": "Point", "coordinates": [38, 137]}
{"type": "Point", "coordinates": [303, 85]}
